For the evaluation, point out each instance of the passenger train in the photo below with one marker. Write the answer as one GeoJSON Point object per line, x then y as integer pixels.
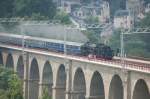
{"type": "Point", "coordinates": [42, 43]}
{"type": "Point", "coordinates": [73, 48]}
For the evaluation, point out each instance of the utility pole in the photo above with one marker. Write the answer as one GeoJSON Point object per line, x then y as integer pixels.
{"type": "Point", "coordinates": [26, 72]}
{"type": "Point", "coordinates": [124, 28]}
{"type": "Point", "coordinates": [25, 78]}
{"type": "Point", "coordinates": [122, 48]}
{"type": "Point", "coordinates": [65, 42]}
{"type": "Point", "coordinates": [134, 31]}
{"type": "Point", "coordinates": [68, 65]}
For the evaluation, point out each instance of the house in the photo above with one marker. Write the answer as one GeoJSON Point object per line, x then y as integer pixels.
{"type": "Point", "coordinates": [147, 8]}
{"type": "Point", "coordinates": [67, 6]}
{"type": "Point", "coordinates": [101, 11]}
{"type": "Point", "coordinates": [123, 19]}
{"type": "Point", "coordinates": [135, 6]}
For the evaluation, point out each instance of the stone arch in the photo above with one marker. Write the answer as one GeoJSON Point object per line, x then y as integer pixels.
{"type": "Point", "coordinates": [20, 67]}
{"type": "Point", "coordinates": [141, 90]}
{"type": "Point", "coordinates": [34, 80]}
{"type": "Point", "coordinates": [61, 82]}
{"type": "Point", "coordinates": [47, 78]}
{"type": "Point", "coordinates": [10, 62]}
{"type": "Point", "coordinates": [79, 85]}
{"type": "Point", "coordinates": [97, 87]}
{"type": "Point", "coordinates": [116, 88]}
{"type": "Point", "coordinates": [1, 58]}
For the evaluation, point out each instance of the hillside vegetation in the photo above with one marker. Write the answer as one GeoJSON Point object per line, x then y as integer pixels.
{"type": "Point", "coordinates": [10, 85]}
{"type": "Point", "coordinates": [27, 8]}
{"type": "Point", "coordinates": [136, 45]}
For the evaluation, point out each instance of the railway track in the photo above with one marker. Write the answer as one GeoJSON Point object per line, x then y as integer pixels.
{"type": "Point", "coordinates": [128, 64]}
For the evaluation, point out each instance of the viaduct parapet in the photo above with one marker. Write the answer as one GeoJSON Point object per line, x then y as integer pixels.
{"type": "Point", "coordinates": [68, 77]}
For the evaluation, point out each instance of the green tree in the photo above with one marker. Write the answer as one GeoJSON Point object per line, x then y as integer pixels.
{"type": "Point", "coordinates": [6, 8]}
{"type": "Point", "coordinates": [3, 94]}
{"type": "Point", "coordinates": [93, 36]}
{"type": "Point", "coordinates": [46, 94]}
{"type": "Point", "coordinates": [145, 22]}
{"type": "Point", "coordinates": [92, 20]}
{"type": "Point", "coordinates": [145, 37]}
{"type": "Point", "coordinates": [85, 1]}
{"type": "Point", "coordinates": [116, 5]}
{"type": "Point", "coordinates": [28, 8]}
{"type": "Point", "coordinates": [15, 87]}
{"type": "Point", "coordinates": [38, 16]}
{"type": "Point", "coordinates": [147, 1]}
{"type": "Point", "coordinates": [135, 45]}
{"type": "Point", "coordinates": [10, 85]}
{"type": "Point", "coordinates": [115, 40]}
{"type": "Point", "coordinates": [62, 17]}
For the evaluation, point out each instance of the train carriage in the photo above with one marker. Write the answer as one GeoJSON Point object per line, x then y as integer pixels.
{"type": "Point", "coordinates": [11, 39]}
{"type": "Point", "coordinates": [73, 48]}
{"type": "Point", "coordinates": [42, 43]}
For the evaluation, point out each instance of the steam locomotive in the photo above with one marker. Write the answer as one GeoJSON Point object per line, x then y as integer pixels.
{"type": "Point", "coordinates": [98, 50]}
{"type": "Point", "coordinates": [74, 48]}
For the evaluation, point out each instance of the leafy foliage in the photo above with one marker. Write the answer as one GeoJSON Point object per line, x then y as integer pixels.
{"type": "Point", "coordinates": [6, 8]}
{"type": "Point", "coordinates": [27, 8]}
{"type": "Point", "coordinates": [85, 1]}
{"type": "Point", "coordinates": [10, 85]}
{"type": "Point", "coordinates": [147, 1]}
{"type": "Point", "coordinates": [63, 17]}
{"type": "Point", "coordinates": [135, 45]}
{"type": "Point", "coordinates": [92, 20]}
{"type": "Point", "coordinates": [115, 40]}
{"type": "Point", "coordinates": [146, 21]}
{"type": "Point", "coordinates": [93, 35]}
{"type": "Point", "coordinates": [46, 94]}
{"type": "Point", "coordinates": [31, 7]}
{"type": "Point", "coordinates": [116, 5]}
{"type": "Point", "coordinates": [145, 38]}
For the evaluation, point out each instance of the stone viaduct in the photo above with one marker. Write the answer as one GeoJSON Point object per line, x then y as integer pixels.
{"type": "Point", "coordinates": [74, 78]}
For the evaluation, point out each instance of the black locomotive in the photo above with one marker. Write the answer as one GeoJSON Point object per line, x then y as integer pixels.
{"type": "Point", "coordinates": [98, 50]}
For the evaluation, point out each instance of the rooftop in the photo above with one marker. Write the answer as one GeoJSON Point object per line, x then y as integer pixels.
{"type": "Point", "coordinates": [121, 13]}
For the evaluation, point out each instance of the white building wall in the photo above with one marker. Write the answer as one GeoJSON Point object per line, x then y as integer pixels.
{"type": "Point", "coordinates": [105, 12]}
{"type": "Point", "coordinates": [147, 9]}
{"type": "Point", "coordinates": [125, 22]}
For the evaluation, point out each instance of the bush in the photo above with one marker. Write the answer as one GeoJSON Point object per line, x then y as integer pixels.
{"type": "Point", "coordinates": [10, 85]}
{"type": "Point", "coordinates": [45, 94]}
{"type": "Point", "coordinates": [62, 17]}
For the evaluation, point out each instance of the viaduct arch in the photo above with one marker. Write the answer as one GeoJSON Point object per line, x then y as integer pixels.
{"type": "Point", "coordinates": [1, 58]}
{"type": "Point", "coordinates": [44, 71]}
{"type": "Point", "coordinates": [20, 67]}
{"type": "Point", "coordinates": [34, 80]}
{"type": "Point", "coordinates": [79, 85]}
{"type": "Point", "coordinates": [10, 61]}
{"type": "Point", "coordinates": [47, 78]}
{"type": "Point", "coordinates": [141, 90]}
{"type": "Point", "coordinates": [61, 82]}
{"type": "Point", "coordinates": [97, 87]}
{"type": "Point", "coordinates": [116, 88]}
